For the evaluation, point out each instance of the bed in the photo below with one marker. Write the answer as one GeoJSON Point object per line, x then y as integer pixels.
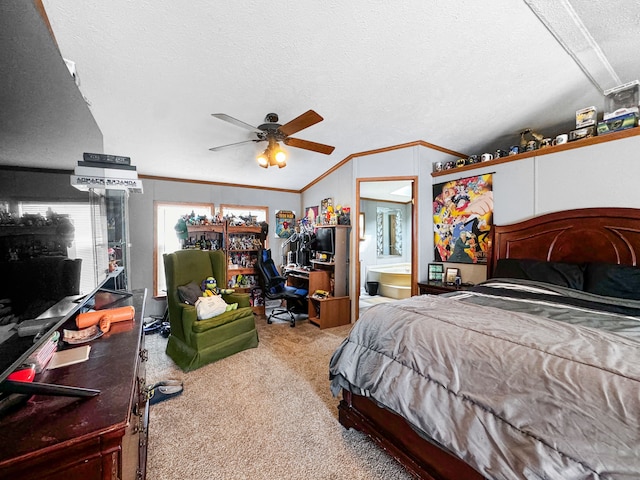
{"type": "Point", "coordinates": [532, 374]}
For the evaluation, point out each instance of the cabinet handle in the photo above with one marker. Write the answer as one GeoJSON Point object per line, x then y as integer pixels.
{"type": "Point", "coordinates": [138, 410]}
{"type": "Point", "coordinates": [143, 438]}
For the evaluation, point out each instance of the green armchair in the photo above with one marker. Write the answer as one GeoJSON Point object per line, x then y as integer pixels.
{"type": "Point", "coordinates": [192, 342]}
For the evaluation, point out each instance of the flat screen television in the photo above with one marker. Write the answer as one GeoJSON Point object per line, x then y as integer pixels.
{"type": "Point", "coordinates": [15, 350]}
{"type": "Point", "coordinates": [324, 242]}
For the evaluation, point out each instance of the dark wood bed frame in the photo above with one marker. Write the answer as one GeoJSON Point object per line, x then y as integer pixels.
{"type": "Point", "coordinates": [610, 235]}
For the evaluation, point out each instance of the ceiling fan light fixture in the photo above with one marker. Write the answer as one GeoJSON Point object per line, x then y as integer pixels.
{"type": "Point", "coordinates": [280, 156]}
{"type": "Point", "coordinates": [272, 156]}
{"type": "Point", "coordinates": [272, 132]}
{"type": "Point", "coordinates": [263, 159]}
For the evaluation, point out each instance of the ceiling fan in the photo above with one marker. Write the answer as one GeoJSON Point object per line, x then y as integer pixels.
{"type": "Point", "coordinates": [272, 132]}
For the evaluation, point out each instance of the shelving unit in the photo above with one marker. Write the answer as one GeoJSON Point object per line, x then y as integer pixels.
{"type": "Point", "coordinates": [339, 265]}
{"type": "Point", "coordinates": [117, 203]}
{"type": "Point", "coordinates": [329, 312]}
{"type": "Point", "coordinates": [29, 241]}
{"type": "Point", "coordinates": [323, 312]}
{"type": "Point", "coordinates": [336, 309]}
{"type": "Point", "coordinates": [243, 246]}
{"type": "Point", "coordinates": [212, 234]}
{"type": "Point", "coordinates": [545, 151]}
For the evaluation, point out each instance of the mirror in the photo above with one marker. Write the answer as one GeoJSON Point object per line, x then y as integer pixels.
{"type": "Point", "coordinates": [389, 231]}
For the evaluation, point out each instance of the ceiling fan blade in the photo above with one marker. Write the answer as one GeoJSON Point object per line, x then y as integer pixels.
{"type": "Point", "coordinates": [222, 147]}
{"type": "Point", "coordinates": [236, 122]}
{"type": "Point", "coordinates": [307, 145]}
{"type": "Point", "coordinates": [300, 123]}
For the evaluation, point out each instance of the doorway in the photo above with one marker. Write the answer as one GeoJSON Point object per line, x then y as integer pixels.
{"type": "Point", "coordinates": [386, 257]}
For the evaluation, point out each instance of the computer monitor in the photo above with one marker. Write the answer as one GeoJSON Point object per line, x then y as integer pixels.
{"type": "Point", "coordinates": [324, 242]}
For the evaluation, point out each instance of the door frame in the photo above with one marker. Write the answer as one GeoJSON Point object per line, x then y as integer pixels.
{"type": "Point", "coordinates": [414, 232]}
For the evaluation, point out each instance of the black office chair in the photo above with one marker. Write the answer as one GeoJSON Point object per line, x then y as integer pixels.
{"type": "Point", "coordinates": [275, 287]}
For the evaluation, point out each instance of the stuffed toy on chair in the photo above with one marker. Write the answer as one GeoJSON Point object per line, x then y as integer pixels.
{"type": "Point", "coordinates": [209, 287]}
{"type": "Point", "coordinates": [212, 304]}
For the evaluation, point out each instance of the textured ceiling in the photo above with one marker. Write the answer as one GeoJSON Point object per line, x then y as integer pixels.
{"type": "Point", "coordinates": [464, 75]}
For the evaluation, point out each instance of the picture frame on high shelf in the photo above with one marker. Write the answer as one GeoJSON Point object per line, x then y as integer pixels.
{"type": "Point", "coordinates": [435, 272]}
{"type": "Point", "coordinates": [450, 275]}
{"type": "Point", "coordinates": [326, 207]}
{"type": "Point", "coordinates": [311, 214]}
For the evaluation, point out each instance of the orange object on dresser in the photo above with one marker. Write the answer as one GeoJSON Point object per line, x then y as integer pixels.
{"type": "Point", "coordinates": [105, 317]}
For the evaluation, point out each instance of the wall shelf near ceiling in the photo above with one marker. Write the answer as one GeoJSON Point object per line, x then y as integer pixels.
{"type": "Point", "coordinates": [632, 132]}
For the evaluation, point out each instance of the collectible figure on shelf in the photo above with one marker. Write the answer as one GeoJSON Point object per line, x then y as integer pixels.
{"type": "Point", "coordinates": [345, 216]}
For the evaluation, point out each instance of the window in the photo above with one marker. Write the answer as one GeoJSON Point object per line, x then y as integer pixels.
{"type": "Point", "coordinates": [261, 213]}
{"type": "Point", "coordinates": [166, 240]}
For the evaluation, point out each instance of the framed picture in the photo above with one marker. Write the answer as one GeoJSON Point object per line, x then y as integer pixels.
{"type": "Point", "coordinates": [326, 206]}
{"type": "Point", "coordinates": [311, 214]}
{"type": "Point", "coordinates": [285, 223]}
{"type": "Point", "coordinates": [450, 275]}
{"type": "Point", "coordinates": [436, 271]}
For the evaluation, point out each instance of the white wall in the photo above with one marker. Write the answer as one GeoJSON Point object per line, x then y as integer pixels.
{"type": "Point", "coordinates": [410, 161]}
{"type": "Point", "coordinates": [600, 175]}
{"type": "Point", "coordinates": [338, 185]}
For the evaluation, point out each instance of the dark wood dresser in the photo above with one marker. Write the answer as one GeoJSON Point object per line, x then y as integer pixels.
{"type": "Point", "coordinates": [102, 437]}
{"type": "Point", "coordinates": [438, 288]}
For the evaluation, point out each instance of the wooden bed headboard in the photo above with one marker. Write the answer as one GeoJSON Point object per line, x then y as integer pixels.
{"type": "Point", "coordinates": [610, 235]}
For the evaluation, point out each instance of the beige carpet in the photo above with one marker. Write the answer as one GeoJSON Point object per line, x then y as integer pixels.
{"type": "Point", "coordinates": [265, 413]}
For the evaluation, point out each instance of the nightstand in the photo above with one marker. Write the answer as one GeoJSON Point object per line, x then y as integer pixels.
{"type": "Point", "coordinates": [438, 288]}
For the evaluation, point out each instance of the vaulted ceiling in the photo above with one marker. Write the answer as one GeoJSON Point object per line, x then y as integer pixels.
{"type": "Point", "coordinates": [465, 75]}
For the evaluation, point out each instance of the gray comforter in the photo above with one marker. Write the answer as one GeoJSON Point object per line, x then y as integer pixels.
{"type": "Point", "coordinates": [513, 394]}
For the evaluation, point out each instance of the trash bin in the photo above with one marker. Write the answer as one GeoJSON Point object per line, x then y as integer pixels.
{"type": "Point", "coordinates": [372, 288]}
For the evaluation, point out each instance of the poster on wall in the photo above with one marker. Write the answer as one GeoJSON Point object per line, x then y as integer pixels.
{"type": "Point", "coordinates": [311, 215]}
{"type": "Point", "coordinates": [285, 223]}
{"type": "Point", "coordinates": [462, 219]}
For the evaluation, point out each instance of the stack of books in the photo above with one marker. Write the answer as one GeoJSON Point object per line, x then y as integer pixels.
{"type": "Point", "coordinates": [102, 171]}
{"type": "Point", "coordinates": [41, 357]}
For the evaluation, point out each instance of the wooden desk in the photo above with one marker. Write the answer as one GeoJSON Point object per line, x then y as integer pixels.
{"type": "Point", "coordinates": [98, 438]}
{"type": "Point", "coordinates": [329, 312]}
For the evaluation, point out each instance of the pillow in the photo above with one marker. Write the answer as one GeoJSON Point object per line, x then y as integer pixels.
{"type": "Point", "coordinates": [569, 275]}
{"type": "Point", "coordinates": [189, 293]}
{"type": "Point", "coordinates": [612, 280]}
